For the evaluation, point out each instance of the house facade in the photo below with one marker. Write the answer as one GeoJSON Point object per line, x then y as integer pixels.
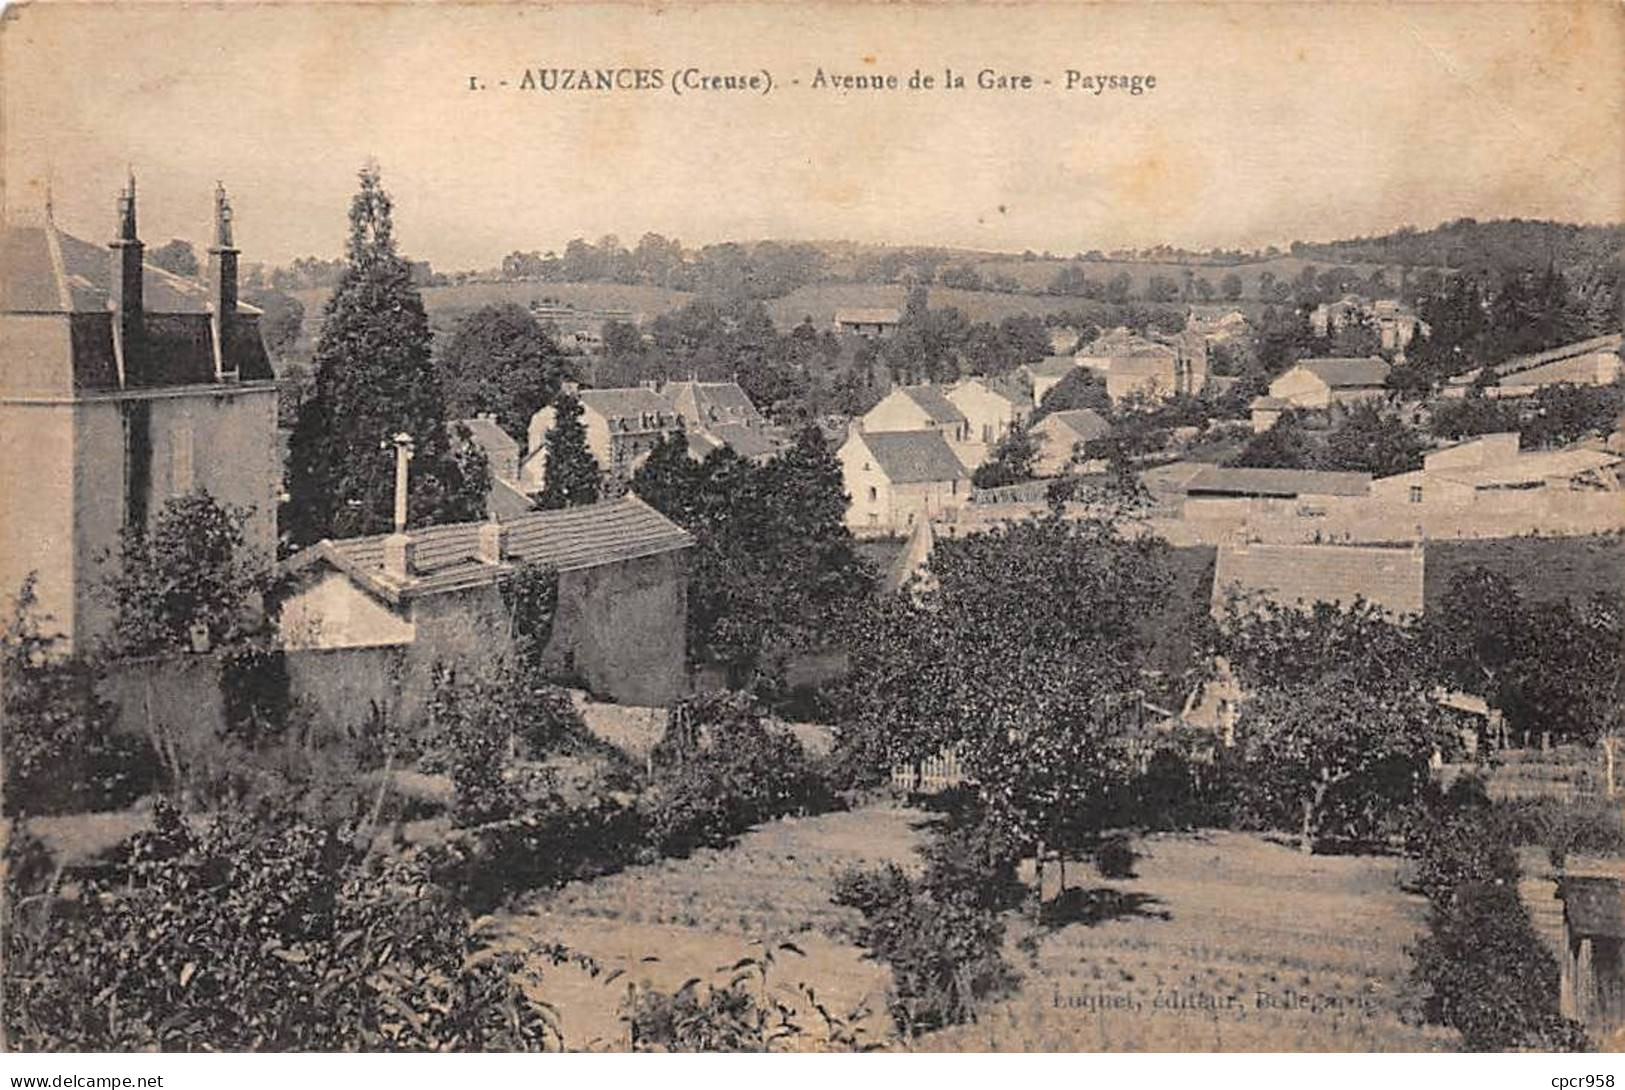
{"type": "Point", "coordinates": [1490, 469]}
{"type": "Point", "coordinates": [124, 385]}
{"type": "Point", "coordinates": [867, 322]}
{"type": "Point", "coordinates": [991, 407]}
{"type": "Point", "coordinates": [620, 627]}
{"type": "Point", "coordinates": [1151, 368]}
{"type": "Point", "coordinates": [894, 480]}
{"type": "Point", "coordinates": [1334, 380]}
{"type": "Point", "coordinates": [1059, 434]}
{"type": "Point", "coordinates": [623, 425]}
{"type": "Point", "coordinates": [919, 408]}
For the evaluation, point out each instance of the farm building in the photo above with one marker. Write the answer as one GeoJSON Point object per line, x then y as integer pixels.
{"type": "Point", "coordinates": [1594, 362]}
{"type": "Point", "coordinates": [1489, 466]}
{"type": "Point", "coordinates": [1302, 576]}
{"type": "Point", "coordinates": [899, 478]}
{"type": "Point", "coordinates": [918, 408]}
{"type": "Point", "coordinates": [123, 385]}
{"type": "Point", "coordinates": [1335, 380]}
{"type": "Point", "coordinates": [873, 322]}
{"type": "Point", "coordinates": [1059, 434]}
{"type": "Point", "coordinates": [622, 594]}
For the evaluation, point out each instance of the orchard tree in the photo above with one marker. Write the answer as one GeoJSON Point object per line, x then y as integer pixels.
{"type": "Point", "coordinates": [1011, 461]}
{"type": "Point", "coordinates": [1366, 439]}
{"type": "Point", "coordinates": [375, 379]}
{"type": "Point", "coordinates": [501, 361]}
{"type": "Point", "coordinates": [571, 472]}
{"type": "Point", "coordinates": [177, 256]}
{"type": "Point", "coordinates": [190, 570]}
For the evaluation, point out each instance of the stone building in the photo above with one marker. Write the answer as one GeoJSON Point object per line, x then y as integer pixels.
{"type": "Point", "coordinates": [123, 385]}
{"type": "Point", "coordinates": [896, 479]}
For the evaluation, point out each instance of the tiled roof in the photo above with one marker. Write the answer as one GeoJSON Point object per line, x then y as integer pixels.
{"type": "Point", "coordinates": [1082, 423]}
{"type": "Point", "coordinates": [45, 269]}
{"type": "Point", "coordinates": [1341, 372]}
{"type": "Point", "coordinates": [490, 437]}
{"type": "Point", "coordinates": [447, 557]}
{"type": "Point", "coordinates": [934, 403]}
{"type": "Point", "coordinates": [1610, 342]}
{"type": "Point", "coordinates": [1302, 575]}
{"type": "Point", "coordinates": [746, 441]}
{"type": "Point", "coordinates": [626, 402]}
{"type": "Point", "coordinates": [1005, 386]}
{"type": "Point", "coordinates": [909, 457]}
{"type": "Point", "coordinates": [867, 316]}
{"type": "Point", "coordinates": [1243, 481]}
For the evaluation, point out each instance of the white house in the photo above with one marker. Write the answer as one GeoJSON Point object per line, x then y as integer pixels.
{"type": "Point", "coordinates": [1324, 382]}
{"type": "Point", "coordinates": [918, 408]}
{"type": "Point", "coordinates": [895, 479]}
{"type": "Point", "coordinates": [991, 406]}
{"type": "Point", "coordinates": [1059, 434]}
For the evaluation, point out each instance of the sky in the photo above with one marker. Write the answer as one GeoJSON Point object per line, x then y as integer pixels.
{"type": "Point", "coordinates": [1268, 122]}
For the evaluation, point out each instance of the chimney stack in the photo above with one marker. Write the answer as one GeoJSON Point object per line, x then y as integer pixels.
{"type": "Point", "coordinates": [125, 295]}
{"type": "Point", "coordinates": [398, 547]}
{"type": "Point", "coordinates": [222, 277]}
{"type": "Point", "coordinates": [493, 542]}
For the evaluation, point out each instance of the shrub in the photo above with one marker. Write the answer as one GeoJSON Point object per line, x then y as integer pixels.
{"type": "Point", "coordinates": [1589, 826]}
{"type": "Point", "coordinates": [264, 936]}
{"type": "Point", "coordinates": [943, 948]}
{"type": "Point", "coordinates": [1115, 858]}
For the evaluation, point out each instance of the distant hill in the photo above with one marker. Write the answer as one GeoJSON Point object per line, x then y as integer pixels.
{"type": "Point", "coordinates": [1470, 245]}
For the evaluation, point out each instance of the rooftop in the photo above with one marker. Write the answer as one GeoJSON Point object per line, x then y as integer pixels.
{"type": "Point", "coordinates": [1610, 342]}
{"type": "Point", "coordinates": [1348, 371]}
{"type": "Point", "coordinates": [934, 403]}
{"type": "Point", "coordinates": [1269, 482]}
{"type": "Point", "coordinates": [1303, 575]}
{"type": "Point", "coordinates": [1083, 423]}
{"type": "Point", "coordinates": [625, 402]}
{"type": "Point", "coordinates": [911, 457]}
{"type": "Point", "coordinates": [447, 557]}
{"type": "Point", "coordinates": [867, 316]}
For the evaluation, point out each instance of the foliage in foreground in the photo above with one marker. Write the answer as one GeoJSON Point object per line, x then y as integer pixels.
{"type": "Point", "coordinates": [253, 935]}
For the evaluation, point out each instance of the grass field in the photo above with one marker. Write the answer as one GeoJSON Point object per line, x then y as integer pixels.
{"type": "Point", "coordinates": [1544, 569]}
{"type": "Point", "coordinates": [1223, 914]}
{"type": "Point", "coordinates": [1222, 942]}
{"type": "Point", "coordinates": [1037, 275]}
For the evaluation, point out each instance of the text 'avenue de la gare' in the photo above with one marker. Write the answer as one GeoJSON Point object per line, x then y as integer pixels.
{"type": "Point", "coordinates": [694, 80]}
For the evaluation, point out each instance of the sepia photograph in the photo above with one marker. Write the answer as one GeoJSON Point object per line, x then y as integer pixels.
{"type": "Point", "coordinates": [802, 528]}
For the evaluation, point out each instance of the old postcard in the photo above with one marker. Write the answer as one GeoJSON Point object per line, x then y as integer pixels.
{"type": "Point", "coordinates": [934, 527]}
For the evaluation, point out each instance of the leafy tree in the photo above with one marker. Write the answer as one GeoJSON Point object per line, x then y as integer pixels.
{"type": "Point", "coordinates": [1366, 439]}
{"type": "Point", "coordinates": [1285, 444]}
{"type": "Point", "coordinates": [1011, 461]}
{"type": "Point", "coordinates": [59, 750]}
{"type": "Point", "coordinates": [191, 568]}
{"type": "Point", "coordinates": [500, 361]}
{"type": "Point", "coordinates": [531, 595]}
{"type": "Point", "coordinates": [374, 380]}
{"type": "Point", "coordinates": [177, 256]}
{"type": "Point", "coordinates": [572, 476]}
{"type": "Point", "coordinates": [282, 320]}
{"type": "Point", "coordinates": [1079, 388]}
{"type": "Point", "coordinates": [1230, 286]}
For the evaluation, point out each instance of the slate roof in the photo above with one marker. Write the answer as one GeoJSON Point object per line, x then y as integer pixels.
{"type": "Point", "coordinates": [490, 437]}
{"type": "Point", "coordinates": [1302, 575]}
{"type": "Point", "coordinates": [707, 403]}
{"type": "Point", "coordinates": [748, 442]}
{"type": "Point", "coordinates": [625, 402]}
{"type": "Point", "coordinates": [45, 269]}
{"type": "Point", "coordinates": [1243, 481]}
{"type": "Point", "coordinates": [1345, 372]}
{"type": "Point", "coordinates": [1082, 423]}
{"type": "Point", "coordinates": [910, 457]}
{"type": "Point", "coordinates": [447, 557]}
{"type": "Point", "coordinates": [934, 403]}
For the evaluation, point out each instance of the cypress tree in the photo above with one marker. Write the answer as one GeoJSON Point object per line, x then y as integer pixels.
{"type": "Point", "coordinates": [374, 378]}
{"type": "Point", "coordinates": [572, 471]}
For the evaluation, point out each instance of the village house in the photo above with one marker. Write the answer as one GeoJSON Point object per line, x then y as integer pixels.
{"type": "Point", "coordinates": [991, 406]}
{"type": "Point", "coordinates": [1593, 362]}
{"type": "Point", "coordinates": [1150, 368]}
{"type": "Point", "coordinates": [1396, 325]}
{"type": "Point", "coordinates": [1320, 384]}
{"type": "Point", "coordinates": [506, 497]}
{"type": "Point", "coordinates": [1488, 467]}
{"type": "Point", "coordinates": [918, 408]}
{"type": "Point", "coordinates": [1042, 375]}
{"type": "Point", "coordinates": [721, 414]}
{"type": "Point", "coordinates": [897, 478]}
{"type": "Point", "coordinates": [619, 630]}
{"type": "Point", "coordinates": [1216, 324]}
{"type": "Point", "coordinates": [1236, 493]}
{"type": "Point", "coordinates": [868, 322]}
{"type": "Point", "coordinates": [1303, 576]}
{"type": "Point", "coordinates": [623, 425]}
{"type": "Point", "coordinates": [123, 385]}
{"type": "Point", "coordinates": [1058, 435]}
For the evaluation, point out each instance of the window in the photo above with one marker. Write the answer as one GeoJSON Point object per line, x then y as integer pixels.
{"type": "Point", "coordinates": [874, 493]}
{"type": "Point", "coordinates": [987, 433]}
{"type": "Point", "coordinates": [1416, 493]}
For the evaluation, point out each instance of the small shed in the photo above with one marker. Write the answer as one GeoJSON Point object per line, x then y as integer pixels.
{"type": "Point", "coordinates": [1593, 976]}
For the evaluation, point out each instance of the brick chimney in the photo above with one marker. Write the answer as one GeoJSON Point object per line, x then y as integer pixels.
{"type": "Point", "coordinates": [222, 280]}
{"type": "Point", "coordinates": [493, 542]}
{"type": "Point", "coordinates": [124, 297]}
